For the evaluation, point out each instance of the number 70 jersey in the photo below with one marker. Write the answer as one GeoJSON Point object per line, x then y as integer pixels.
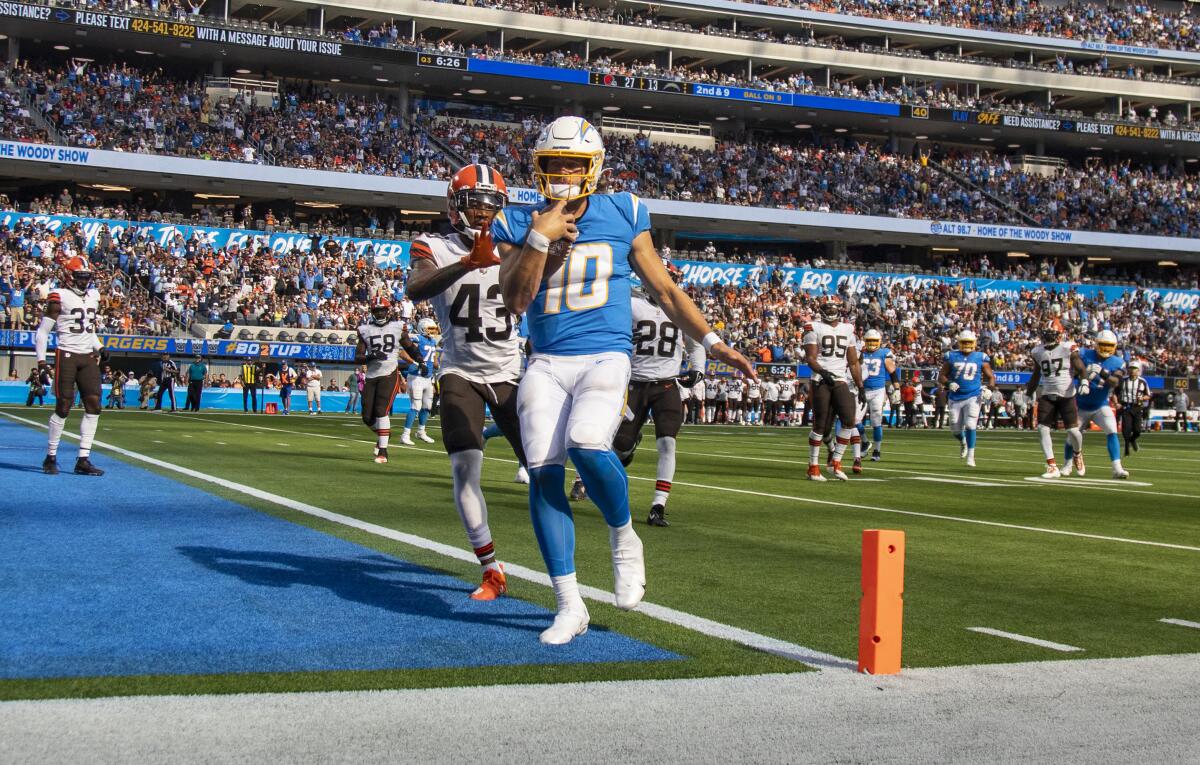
{"type": "Point", "coordinates": [480, 341]}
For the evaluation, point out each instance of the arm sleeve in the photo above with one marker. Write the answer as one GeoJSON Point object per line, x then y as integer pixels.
{"type": "Point", "coordinates": [42, 338]}
{"type": "Point", "coordinates": [697, 358]}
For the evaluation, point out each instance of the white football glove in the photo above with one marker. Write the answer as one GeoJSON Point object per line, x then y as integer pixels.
{"type": "Point", "coordinates": [1084, 388]}
{"type": "Point", "coordinates": [954, 387]}
{"type": "Point", "coordinates": [1093, 370]}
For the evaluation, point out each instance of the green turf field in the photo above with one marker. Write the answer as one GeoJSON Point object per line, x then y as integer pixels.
{"type": "Point", "coordinates": [1090, 563]}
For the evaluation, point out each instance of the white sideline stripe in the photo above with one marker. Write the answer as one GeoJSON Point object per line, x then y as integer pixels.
{"type": "Point", "coordinates": [749, 492]}
{"type": "Point", "coordinates": [1026, 639]}
{"type": "Point", "coordinates": [960, 481]}
{"type": "Point", "coordinates": [692, 622]}
{"type": "Point", "coordinates": [1182, 623]}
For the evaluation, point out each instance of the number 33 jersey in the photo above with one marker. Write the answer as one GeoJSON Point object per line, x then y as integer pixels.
{"type": "Point", "coordinates": [832, 341]}
{"type": "Point", "coordinates": [76, 324]}
{"type": "Point", "coordinates": [480, 341]}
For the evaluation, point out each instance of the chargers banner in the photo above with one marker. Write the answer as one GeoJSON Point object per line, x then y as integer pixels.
{"type": "Point", "coordinates": [705, 274]}
{"type": "Point", "coordinates": [182, 346]}
{"type": "Point", "coordinates": [386, 252]}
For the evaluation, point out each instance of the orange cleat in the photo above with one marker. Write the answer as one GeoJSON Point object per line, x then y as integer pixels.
{"type": "Point", "coordinates": [814, 473]}
{"type": "Point", "coordinates": [494, 585]}
{"type": "Point", "coordinates": [835, 470]}
{"type": "Point", "coordinates": [857, 468]}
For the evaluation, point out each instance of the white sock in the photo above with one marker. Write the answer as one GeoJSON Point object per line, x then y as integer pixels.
{"type": "Point", "coordinates": [1047, 444]}
{"type": "Point", "coordinates": [1075, 437]}
{"type": "Point", "coordinates": [383, 431]}
{"type": "Point", "coordinates": [408, 431]}
{"type": "Point", "coordinates": [666, 470]}
{"type": "Point", "coordinates": [971, 453]}
{"type": "Point", "coordinates": [814, 448]}
{"type": "Point", "coordinates": [566, 592]}
{"type": "Point", "coordinates": [1117, 465]}
{"type": "Point", "coordinates": [56, 429]}
{"type": "Point", "coordinates": [87, 432]}
{"type": "Point", "coordinates": [619, 536]}
{"type": "Point", "coordinates": [467, 467]}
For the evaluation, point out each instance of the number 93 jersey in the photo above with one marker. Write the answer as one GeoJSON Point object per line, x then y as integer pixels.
{"type": "Point", "coordinates": [584, 307]}
{"type": "Point", "coordinates": [832, 341]}
{"type": "Point", "coordinates": [658, 344]}
{"type": "Point", "coordinates": [966, 369]}
{"type": "Point", "coordinates": [76, 323]}
{"type": "Point", "coordinates": [384, 338]}
{"type": "Point", "coordinates": [480, 338]}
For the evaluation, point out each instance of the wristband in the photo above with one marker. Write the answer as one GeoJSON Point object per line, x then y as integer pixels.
{"type": "Point", "coordinates": [711, 339]}
{"type": "Point", "coordinates": [537, 240]}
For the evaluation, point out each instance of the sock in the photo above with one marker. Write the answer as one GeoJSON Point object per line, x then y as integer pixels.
{"type": "Point", "coordinates": [814, 448]}
{"type": "Point", "coordinates": [1113, 441]}
{"type": "Point", "coordinates": [1075, 439]}
{"type": "Point", "coordinates": [553, 523]}
{"type": "Point", "coordinates": [856, 444]}
{"type": "Point", "coordinates": [56, 429]}
{"type": "Point", "coordinates": [467, 466]}
{"type": "Point", "coordinates": [566, 593]}
{"type": "Point", "coordinates": [409, 419]}
{"type": "Point", "coordinates": [383, 431]}
{"type": "Point", "coordinates": [491, 431]}
{"type": "Point", "coordinates": [970, 452]}
{"type": "Point", "coordinates": [619, 535]}
{"type": "Point", "coordinates": [877, 435]}
{"type": "Point", "coordinates": [87, 432]}
{"type": "Point", "coordinates": [1068, 452]}
{"type": "Point", "coordinates": [422, 418]}
{"type": "Point", "coordinates": [605, 481]}
{"type": "Point", "coordinates": [1047, 444]}
{"type": "Point", "coordinates": [970, 432]}
{"type": "Point", "coordinates": [666, 470]}
{"type": "Point", "coordinates": [839, 448]}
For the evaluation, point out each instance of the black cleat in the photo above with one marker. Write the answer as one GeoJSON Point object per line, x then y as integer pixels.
{"type": "Point", "coordinates": [84, 466]}
{"type": "Point", "coordinates": [876, 456]}
{"type": "Point", "coordinates": [577, 491]}
{"type": "Point", "coordinates": [50, 465]}
{"type": "Point", "coordinates": [658, 516]}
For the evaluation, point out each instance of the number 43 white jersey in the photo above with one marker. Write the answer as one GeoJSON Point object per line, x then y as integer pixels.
{"type": "Point", "coordinates": [76, 324]}
{"type": "Point", "coordinates": [832, 341]}
{"type": "Point", "coordinates": [658, 344]}
{"type": "Point", "coordinates": [480, 341]}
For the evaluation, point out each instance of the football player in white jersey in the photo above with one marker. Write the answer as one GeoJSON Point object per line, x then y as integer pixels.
{"type": "Point", "coordinates": [753, 402]}
{"type": "Point", "coordinates": [71, 313]}
{"type": "Point", "coordinates": [734, 391]}
{"type": "Point", "coordinates": [481, 348]}
{"type": "Point", "coordinates": [1056, 364]}
{"type": "Point", "coordinates": [655, 377]}
{"type": "Point", "coordinates": [383, 345]}
{"type": "Point", "coordinates": [832, 353]}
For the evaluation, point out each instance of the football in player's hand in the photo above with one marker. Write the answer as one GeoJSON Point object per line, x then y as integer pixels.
{"type": "Point", "coordinates": [555, 257]}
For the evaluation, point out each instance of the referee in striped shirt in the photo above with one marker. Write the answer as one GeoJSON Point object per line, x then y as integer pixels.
{"type": "Point", "coordinates": [1133, 395]}
{"type": "Point", "coordinates": [252, 374]}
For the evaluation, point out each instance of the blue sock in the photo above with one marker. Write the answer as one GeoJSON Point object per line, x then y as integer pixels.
{"type": "Point", "coordinates": [409, 419]}
{"type": "Point", "coordinates": [1114, 446]}
{"type": "Point", "coordinates": [423, 417]}
{"type": "Point", "coordinates": [553, 523]}
{"type": "Point", "coordinates": [861, 429]}
{"type": "Point", "coordinates": [970, 439]}
{"type": "Point", "coordinates": [877, 433]}
{"type": "Point", "coordinates": [605, 481]}
{"type": "Point", "coordinates": [491, 431]}
{"type": "Point", "coordinates": [1068, 451]}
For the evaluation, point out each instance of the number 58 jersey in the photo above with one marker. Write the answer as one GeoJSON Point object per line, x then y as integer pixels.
{"type": "Point", "coordinates": [384, 338]}
{"type": "Point", "coordinates": [480, 341]}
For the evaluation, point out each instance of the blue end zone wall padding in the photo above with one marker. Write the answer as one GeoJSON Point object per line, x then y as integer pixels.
{"type": "Point", "coordinates": [133, 573]}
{"type": "Point", "coordinates": [228, 399]}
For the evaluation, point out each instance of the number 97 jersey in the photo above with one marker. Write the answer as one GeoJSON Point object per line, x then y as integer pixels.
{"type": "Point", "coordinates": [76, 323]}
{"type": "Point", "coordinates": [480, 338]}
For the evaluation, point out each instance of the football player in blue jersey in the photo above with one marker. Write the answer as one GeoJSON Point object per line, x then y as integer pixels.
{"type": "Point", "coordinates": [1102, 376]}
{"type": "Point", "coordinates": [567, 264]}
{"type": "Point", "coordinates": [963, 371]}
{"type": "Point", "coordinates": [880, 373]}
{"type": "Point", "coordinates": [420, 382]}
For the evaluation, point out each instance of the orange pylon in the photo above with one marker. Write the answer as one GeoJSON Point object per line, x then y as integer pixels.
{"type": "Point", "coordinates": [881, 614]}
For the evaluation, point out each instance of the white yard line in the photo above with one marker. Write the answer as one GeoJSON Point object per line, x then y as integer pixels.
{"type": "Point", "coordinates": [960, 481]}
{"type": "Point", "coordinates": [1063, 647]}
{"type": "Point", "coordinates": [662, 613]}
{"type": "Point", "coordinates": [1181, 623]}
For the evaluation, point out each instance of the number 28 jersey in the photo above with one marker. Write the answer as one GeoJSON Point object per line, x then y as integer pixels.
{"type": "Point", "coordinates": [658, 344]}
{"type": "Point", "coordinates": [384, 338]}
{"type": "Point", "coordinates": [76, 323]}
{"type": "Point", "coordinates": [480, 341]}
{"type": "Point", "coordinates": [832, 341]}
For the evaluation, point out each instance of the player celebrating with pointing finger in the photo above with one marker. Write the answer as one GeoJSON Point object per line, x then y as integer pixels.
{"type": "Point", "coordinates": [567, 263]}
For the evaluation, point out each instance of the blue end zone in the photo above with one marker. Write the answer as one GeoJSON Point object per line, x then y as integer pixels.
{"type": "Point", "coordinates": [134, 573]}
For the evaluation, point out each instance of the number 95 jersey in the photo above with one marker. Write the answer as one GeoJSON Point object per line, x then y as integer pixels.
{"type": "Point", "coordinates": [76, 323]}
{"type": "Point", "coordinates": [832, 341]}
{"type": "Point", "coordinates": [480, 341]}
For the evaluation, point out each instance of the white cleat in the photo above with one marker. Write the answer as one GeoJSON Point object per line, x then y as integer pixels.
{"type": "Point", "coordinates": [1080, 468]}
{"type": "Point", "coordinates": [1120, 473]}
{"type": "Point", "coordinates": [424, 437]}
{"type": "Point", "coordinates": [522, 475]}
{"type": "Point", "coordinates": [1052, 471]}
{"type": "Point", "coordinates": [962, 452]}
{"type": "Point", "coordinates": [1065, 470]}
{"type": "Point", "coordinates": [406, 439]}
{"type": "Point", "coordinates": [815, 475]}
{"type": "Point", "coordinates": [629, 573]}
{"type": "Point", "coordinates": [970, 462]}
{"type": "Point", "coordinates": [566, 627]}
{"type": "Point", "coordinates": [835, 470]}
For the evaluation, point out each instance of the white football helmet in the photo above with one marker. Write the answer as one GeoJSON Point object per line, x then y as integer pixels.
{"type": "Point", "coordinates": [985, 395]}
{"type": "Point", "coordinates": [1106, 343]}
{"type": "Point", "coordinates": [427, 327]}
{"type": "Point", "coordinates": [967, 341]}
{"type": "Point", "coordinates": [572, 137]}
{"type": "Point", "coordinates": [872, 340]}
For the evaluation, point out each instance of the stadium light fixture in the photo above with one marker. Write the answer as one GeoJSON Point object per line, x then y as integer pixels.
{"type": "Point", "coordinates": [3, 37]}
{"type": "Point", "coordinates": [62, 47]}
{"type": "Point", "coordinates": [722, 118]}
{"type": "Point", "coordinates": [206, 195]}
{"type": "Point", "coordinates": [319, 205]}
{"type": "Point", "coordinates": [1095, 148]}
{"type": "Point", "coordinates": [1098, 259]}
{"type": "Point", "coordinates": [105, 187]}
{"type": "Point", "coordinates": [1191, 160]}
{"type": "Point", "coordinates": [477, 92]}
{"type": "Point", "coordinates": [944, 249]}
{"type": "Point", "coordinates": [610, 108]}
{"type": "Point", "coordinates": [1014, 146]}
{"type": "Point", "coordinates": [381, 79]}
{"type": "Point", "coordinates": [516, 98]}
{"type": "Point", "coordinates": [1018, 254]}
{"type": "Point", "coordinates": [1167, 263]}
{"type": "Point", "coordinates": [802, 126]}
{"type": "Point", "coordinates": [421, 213]}
{"type": "Point", "coordinates": [921, 137]}
{"type": "Point", "coordinates": [242, 71]}
{"type": "Point", "coordinates": [647, 106]}
{"type": "Point", "coordinates": [840, 130]}
{"type": "Point", "coordinates": [335, 79]}
{"type": "Point", "coordinates": [144, 52]}
{"type": "Point", "coordinates": [456, 94]}
{"type": "Point", "coordinates": [987, 139]}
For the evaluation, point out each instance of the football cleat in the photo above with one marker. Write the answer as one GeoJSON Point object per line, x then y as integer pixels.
{"type": "Point", "coordinates": [876, 456]}
{"type": "Point", "coordinates": [566, 627]}
{"type": "Point", "coordinates": [835, 470]}
{"type": "Point", "coordinates": [970, 461]}
{"type": "Point", "coordinates": [522, 475]}
{"type": "Point", "coordinates": [1120, 473]}
{"type": "Point", "coordinates": [381, 455]}
{"type": "Point", "coordinates": [494, 585]}
{"type": "Point", "coordinates": [1136, 446]}
{"type": "Point", "coordinates": [578, 492]}
{"type": "Point", "coordinates": [1052, 471]}
{"type": "Point", "coordinates": [629, 573]}
{"type": "Point", "coordinates": [1080, 469]}
{"type": "Point", "coordinates": [814, 473]}
{"type": "Point", "coordinates": [84, 466]}
{"type": "Point", "coordinates": [962, 451]}
{"type": "Point", "coordinates": [1066, 469]}
{"type": "Point", "coordinates": [658, 516]}
{"type": "Point", "coordinates": [50, 465]}
{"type": "Point", "coordinates": [857, 468]}
{"type": "Point", "coordinates": [424, 437]}
{"type": "Point", "coordinates": [406, 439]}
